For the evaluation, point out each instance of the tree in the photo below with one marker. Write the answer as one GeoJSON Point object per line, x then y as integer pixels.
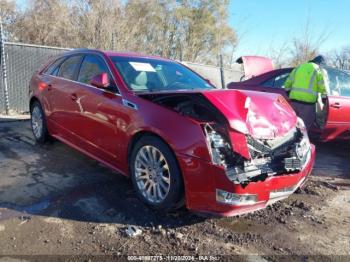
{"type": "Point", "coordinates": [205, 30]}
{"type": "Point", "coordinates": [186, 30]}
{"type": "Point", "coordinates": [192, 30]}
{"type": "Point", "coordinates": [146, 26]}
{"type": "Point", "coordinates": [307, 46]}
{"type": "Point", "coordinates": [279, 55]}
{"type": "Point", "coordinates": [341, 58]}
{"type": "Point", "coordinates": [300, 48]}
{"type": "Point", "coordinates": [7, 16]}
{"type": "Point", "coordinates": [44, 22]}
{"type": "Point", "coordinates": [95, 23]}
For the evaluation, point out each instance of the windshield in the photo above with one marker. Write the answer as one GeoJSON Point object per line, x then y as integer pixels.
{"type": "Point", "coordinates": [145, 74]}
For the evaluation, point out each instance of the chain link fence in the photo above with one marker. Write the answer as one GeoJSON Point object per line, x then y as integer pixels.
{"type": "Point", "coordinates": [22, 60]}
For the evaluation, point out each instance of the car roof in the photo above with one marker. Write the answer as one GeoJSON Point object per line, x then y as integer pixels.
{"type": "Point", "coordinates": [117, 53]}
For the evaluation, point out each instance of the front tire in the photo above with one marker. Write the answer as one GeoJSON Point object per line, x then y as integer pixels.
{"type": "Point", "coordinates": [38, 123]}
{"type": "Point", "coordinates": [155, 174]}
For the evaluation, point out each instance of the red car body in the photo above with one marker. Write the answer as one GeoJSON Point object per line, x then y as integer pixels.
{"type": "Point", "coordinates": [336, 115]}
{"type": "Point", "coordinates": [106, 124]}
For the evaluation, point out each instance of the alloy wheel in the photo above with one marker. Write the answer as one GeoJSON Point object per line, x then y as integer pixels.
{"type": "Point", "coordinates": [37, 122]}
{"type": "Point", "coordinates": [152, 174]}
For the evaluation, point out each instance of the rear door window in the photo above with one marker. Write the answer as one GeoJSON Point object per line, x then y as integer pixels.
{"type": "Point", "coordinates": [280, 80]}
{"type": "Point", "coordinates": [269, 83]}
{"type": "Point", "coordinates": [69, 67]}
{"type": "Point", "coordinates": [54, 67]}
{"type": "Point", "coordinates": [276, 81]}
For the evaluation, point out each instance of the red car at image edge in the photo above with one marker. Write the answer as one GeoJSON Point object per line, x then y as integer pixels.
{"type": "Point", "coordinates": [332, 123]}
{"type": "Point", "coordinates": [181, 140]}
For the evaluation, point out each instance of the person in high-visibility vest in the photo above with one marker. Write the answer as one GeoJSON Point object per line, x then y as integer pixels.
{"type": "Point", "coordinates": [306, 86]}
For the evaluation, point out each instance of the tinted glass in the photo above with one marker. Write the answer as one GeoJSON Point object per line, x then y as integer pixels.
{"type": "Point", "coordinates": [53, 68]}
{"type": "Point", "coordinates": [277, 81]}
{"type": "Point", "coordinates": [92, 66]}
{"type": "Point", "coordinates": [69, 67]}
{"type": "Point", "coordinates": [144, 74]}
{"type": "Point", "coordinates": [339, 82]}
{"type": "Point", "coordinates": [269, 83]}
{"type": "Point", "coordinates": [280, 80]}
{"type": "Point", "coordinates": [55, 71]}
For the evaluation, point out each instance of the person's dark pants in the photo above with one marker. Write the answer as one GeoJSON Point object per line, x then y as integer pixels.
{"type": "Point", "coordinates": [306, 111]}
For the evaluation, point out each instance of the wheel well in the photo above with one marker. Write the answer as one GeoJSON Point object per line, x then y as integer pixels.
{"type": "Point", "coordinates": [32, 100]}
{"type": "Point", "coordinates": [137, 138]}
{"type": "Point", "coordinates": [141, 134]}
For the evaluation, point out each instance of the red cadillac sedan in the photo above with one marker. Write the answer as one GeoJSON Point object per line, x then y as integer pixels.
{"type": "Point", "coordinates": [181, 140]}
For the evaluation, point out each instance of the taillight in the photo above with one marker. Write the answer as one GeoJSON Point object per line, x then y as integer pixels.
{"type": "Point", "coordinates": [42, 86]}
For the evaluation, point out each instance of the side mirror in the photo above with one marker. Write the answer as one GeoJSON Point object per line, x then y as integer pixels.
{"type": "Point", "coordinates": [100, 81]}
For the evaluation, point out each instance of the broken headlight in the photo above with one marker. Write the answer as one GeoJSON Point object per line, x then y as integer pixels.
{"type": "Point", "coordinates": [218, 146]}
{"type": "Point", "coordinates": [303, 148]}
{"type": "Point", "coordinates": [301, 126]}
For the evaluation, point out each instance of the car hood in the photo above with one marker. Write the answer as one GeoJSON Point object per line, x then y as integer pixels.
{"type": "Point", "coordinates": [261, 115]}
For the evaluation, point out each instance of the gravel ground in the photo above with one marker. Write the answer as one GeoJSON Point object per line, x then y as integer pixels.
{"type": "Point", "coordinates": [56, 201]}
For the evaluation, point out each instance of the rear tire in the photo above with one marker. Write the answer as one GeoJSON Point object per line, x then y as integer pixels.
{"type": "Point", "coordinates": [38, 123]}
{"type": "Point", "coordinates": [155, 174]}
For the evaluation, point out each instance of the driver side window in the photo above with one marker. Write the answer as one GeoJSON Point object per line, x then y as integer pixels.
{"type": "Point", "coordinates": [344, 80]}
{"type": "Point", "coordinates": [92, 66]}
{"type": "Point", "coordinates": [339, 82]}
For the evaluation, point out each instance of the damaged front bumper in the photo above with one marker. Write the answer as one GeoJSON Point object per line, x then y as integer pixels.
{"type": "Point", "coordinates": [209, 190]}
{"type": "Point", "coordinates": [246, 158]}
{"type": "Point", "coordinates": [233, 199]}
{"type": "Point", "coordinates": [265, 192]}
{"type": "Point", "coordinates": [246, 173]}
{"type": "Point", "coordinates": [272, 157]}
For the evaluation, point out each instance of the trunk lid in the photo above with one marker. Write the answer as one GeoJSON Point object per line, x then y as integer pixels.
{"type": "Point", "coordinates": [255, 65]}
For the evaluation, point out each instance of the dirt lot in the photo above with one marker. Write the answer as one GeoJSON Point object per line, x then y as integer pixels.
{"type": "Point", "coordinates": [54, 200]}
